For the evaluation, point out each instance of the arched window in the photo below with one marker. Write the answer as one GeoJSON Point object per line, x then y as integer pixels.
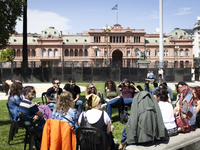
{"type": "Point", "coordinates": [156, 53]}
{"type": "Point", "coordinates": [14, 52]}
{"type": "Point", "coordinates": [50, 53]}
{"type": "Point", "coordinates": [186, 53]}
{"type": "Point", "coordinates": [55, 53]}
{"type": "Point", "coordinates": [33, 53]}
{"type": "Point", "coordinates": [181, 52]}
{"type": "Point", "coordinates": [44, 53]}
{"type": "Point", "coordinates": [175, 53]}
{"type": "Point", "coordinates": [97, 52]}
{"type": "Point", "coordinates": [71, 52]}
{"type": "Point", "coordinates": [66, 52]}
{"type": "Point", "coordinates": [176, 64]}
{"type": "Point", "coordinates": [148, 53]}
{"type": "Point", "coordinates": [181, 64]}
{"type": "Point", "coordinates": [187, 64]}
{"type": "Point", "coordinates": [165, 53]}
{"type": "Point", "coordinates": [137, 54]}
{"type": "Point", "coordinates": [76, 52]}
{"type": "Point", "coordinates": [85, 52]}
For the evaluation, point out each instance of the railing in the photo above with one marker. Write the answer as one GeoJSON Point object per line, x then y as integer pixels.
{"type": "Point", "coordinates": [95, 63]}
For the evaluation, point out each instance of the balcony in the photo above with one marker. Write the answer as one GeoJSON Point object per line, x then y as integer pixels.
{"type": "Point", "coordinates": [47, 58]}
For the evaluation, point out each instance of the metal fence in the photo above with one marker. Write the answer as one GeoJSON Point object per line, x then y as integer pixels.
{"type": "Point", "coordinates": [96, 64]}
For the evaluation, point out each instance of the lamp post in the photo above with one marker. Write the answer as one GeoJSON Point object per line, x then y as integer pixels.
{"type": "Point", "coordinates": [107, 31]}
{"type": "Point", "coordinates": [176, 50]}
{"type": "Point", "coordinates": [95, 48]}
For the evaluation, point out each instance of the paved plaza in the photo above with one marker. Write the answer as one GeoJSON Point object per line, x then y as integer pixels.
{"type": "Point", "coordinates": [39, 87]}
{"type": "Point", "coordinates": [42, 87]}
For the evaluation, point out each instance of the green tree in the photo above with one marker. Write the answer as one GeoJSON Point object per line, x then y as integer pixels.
{"type": "Point", "coordinates": [10, 11]}
{"type": "Point", "coordinates": [7, 55]}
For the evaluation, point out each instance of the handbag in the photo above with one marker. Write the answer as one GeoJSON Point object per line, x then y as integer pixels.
{"type": "Point", "coordinates": [183, 125]}
{"type": "Point", "coordinates": [124, 115]}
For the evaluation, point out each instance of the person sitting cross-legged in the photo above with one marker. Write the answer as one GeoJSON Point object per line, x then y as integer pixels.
{"type": "Point", "coordinates": [128, 90]}
{"type": "Point", "coordinates": [112, 96]}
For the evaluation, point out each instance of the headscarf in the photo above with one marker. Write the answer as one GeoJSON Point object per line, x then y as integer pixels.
{"type": "Point", "coordinates": [95, 100]}
{"type": "Point", "coordinates": [184, 90]}
{"type": "Point", "coordinates": [197, 91]}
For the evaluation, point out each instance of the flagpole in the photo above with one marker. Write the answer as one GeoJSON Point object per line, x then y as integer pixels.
{"type": "Point", "coordinates": [117, 14]}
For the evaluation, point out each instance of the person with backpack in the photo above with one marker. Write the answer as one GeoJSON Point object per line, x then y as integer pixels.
{"type": "Point", "coordinates": [98, 119]}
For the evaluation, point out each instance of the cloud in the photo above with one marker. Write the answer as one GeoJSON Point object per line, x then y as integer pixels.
{"type": "Point", "coordinates": [183, 11]}
{"type": "Point", "coordinates": [157, 31]}
{"type": "Point", "coordinates": [38, 21]}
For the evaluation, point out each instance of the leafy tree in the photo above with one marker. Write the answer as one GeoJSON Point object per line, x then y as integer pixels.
{"type": "Point", "coordinates": [7, 55]}
{"type": "Point", "coordinates": [10, 11]}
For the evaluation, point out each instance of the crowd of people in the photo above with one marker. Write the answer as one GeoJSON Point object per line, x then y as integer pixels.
{"type": "Point", "coordinates": [65, 105]}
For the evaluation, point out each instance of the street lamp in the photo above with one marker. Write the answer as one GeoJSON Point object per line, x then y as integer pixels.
{"type": "Point", "coordinates": [95, 48]}
{"type": "Point", "coordinates": [176, 52]}
{"type": "Point", "coordinates": [107, 31]}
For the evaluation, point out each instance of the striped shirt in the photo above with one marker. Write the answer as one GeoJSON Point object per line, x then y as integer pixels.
{"type": "Point", "coordinates": [28, 107]}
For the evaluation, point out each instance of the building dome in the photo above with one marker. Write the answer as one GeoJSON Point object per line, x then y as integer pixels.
{"type": "Point", "coordinates": [177, 32]}
{"type": "Point", "coordinates": [50, 31]}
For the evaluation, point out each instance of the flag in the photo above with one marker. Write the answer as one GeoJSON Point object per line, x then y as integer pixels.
{"type": "Point", "coordinates": [114, 8]}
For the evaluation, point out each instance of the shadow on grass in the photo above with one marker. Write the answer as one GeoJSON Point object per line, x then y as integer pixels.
{"type": "Point", "coordinates": [82, 97]}
{"type": "Point", "coordinates": [18, 142]}
{"type": "Point", "coordinates": [5, 122]}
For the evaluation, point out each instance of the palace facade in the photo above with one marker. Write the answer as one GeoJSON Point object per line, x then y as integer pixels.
{"type": "Point", "coordinates": [120, 46]}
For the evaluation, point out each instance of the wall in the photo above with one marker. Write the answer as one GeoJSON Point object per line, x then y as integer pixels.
{"type": "Point", "coordinates": [89, 74]}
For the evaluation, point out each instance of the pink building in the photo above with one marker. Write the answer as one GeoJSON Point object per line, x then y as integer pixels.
{"type": "Point", "coordinates": [123, 48]}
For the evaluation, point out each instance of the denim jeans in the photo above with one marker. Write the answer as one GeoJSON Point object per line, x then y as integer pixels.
{"type": "Point", "coordinates": [114, 102]}
{"type": "Point", "coordinates": [79, 104]}
{"type": "Point", "coordinates": [124, 137]}
{"type": "Point", "coordinates": [127, 101]}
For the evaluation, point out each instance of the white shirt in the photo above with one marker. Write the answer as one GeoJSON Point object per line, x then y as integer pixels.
{"type": "Point", "coordinates": [94, 115]}
{"type": "Point", "coordinates": [167, 114]}
{"type": "Point", "coordinates": [160, 71]}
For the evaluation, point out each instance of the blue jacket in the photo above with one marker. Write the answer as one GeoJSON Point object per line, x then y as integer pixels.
{"type": "Point", "coordinates": [70, 115]}
{"type": "Point", "coordinates": [13, 105]}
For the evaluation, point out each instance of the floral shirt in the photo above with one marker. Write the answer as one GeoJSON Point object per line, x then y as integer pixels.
{"type": "Point", "coordinates": [71, 115]}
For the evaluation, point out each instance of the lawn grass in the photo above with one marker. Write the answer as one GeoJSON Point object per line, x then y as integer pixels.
{"type": "Point", "coordinates": [17, 143]}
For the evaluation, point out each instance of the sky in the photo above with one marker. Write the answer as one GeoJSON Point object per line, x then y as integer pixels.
{"type": "Point", "coordinates": [76, 16]}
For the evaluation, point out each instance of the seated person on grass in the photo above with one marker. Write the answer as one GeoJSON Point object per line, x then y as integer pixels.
{"type": "Point", "coordinates": [53, 93]}
{"type": "Point", "coordinates": [76, 91]}
{"type": "Point", "coordinates": [15, 99]}
{"type": "Point", "coordinates": [30, 109]}
{"type": "Point", "coordinates": [128, 91]}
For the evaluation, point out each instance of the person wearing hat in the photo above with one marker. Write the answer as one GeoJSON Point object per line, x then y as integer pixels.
{"type": "Point", "coordinates": [97, 118]}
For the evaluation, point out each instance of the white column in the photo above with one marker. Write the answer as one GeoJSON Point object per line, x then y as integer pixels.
{"type": "Point", "coordinates": [161, 33]}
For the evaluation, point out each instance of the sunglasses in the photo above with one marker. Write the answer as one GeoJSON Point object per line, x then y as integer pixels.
{"type": "Point", "coordinates": [58, 83]}
{"type": "Point", "coordinates": [92, 87]}
{"type": "Point", "coordinates": [33, 92]}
